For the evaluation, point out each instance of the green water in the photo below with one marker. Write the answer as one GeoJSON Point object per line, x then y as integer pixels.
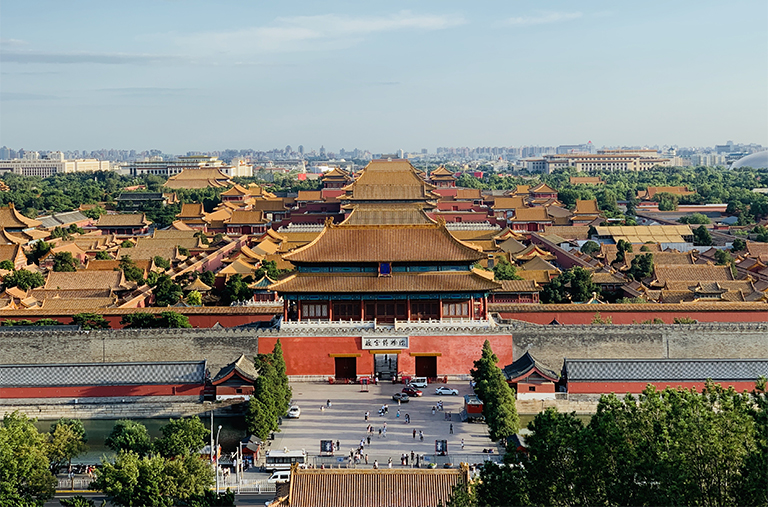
{"type": "Point", "coordinates": [232, 431]}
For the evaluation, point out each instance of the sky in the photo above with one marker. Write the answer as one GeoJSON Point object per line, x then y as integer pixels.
{"type": "Point", "coordinates": [187, 75]}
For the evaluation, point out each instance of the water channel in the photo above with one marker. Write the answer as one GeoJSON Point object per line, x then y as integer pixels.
{"type": "Point", "coordinates": [233, 429]}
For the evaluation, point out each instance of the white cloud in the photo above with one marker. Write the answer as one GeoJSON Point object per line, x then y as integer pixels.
{"type": "Point", "coordinates": [542, 19]}
{"type": "Point", "coordinates": [309, 33]}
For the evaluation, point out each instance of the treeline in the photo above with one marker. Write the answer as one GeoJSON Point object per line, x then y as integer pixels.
{"type": "Point", "coordinates": [168, 470]}
{"type": "Point", "coordinates": [671, 447]}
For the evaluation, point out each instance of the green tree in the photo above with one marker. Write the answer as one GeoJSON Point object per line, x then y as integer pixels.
{"type": "Point", "coordinates": [90, 321]}
{"type": "Point", "coordinates": [622, 247]}
{"type": "Point", "coordinates": [25, 477]}
{"type": "Point", "coordinates": [183, 251]}
{"type": "Point", "coordinates": [722, 257]}
{"type": "Point", "coordinates": [503, 270]}
{"type": "Point", "coordinates": [739, 245]}
{"type": "Point", "coordinates": [272, 394]}
{"type": "Point", "coordinates": [131, 271]}
{"type": "Point", "coordinates": [39, 250]}
{"type": "Point", "coordinates": [23, 279]}
{"type": "Point", "coordinates": [128, 435]}
{"type": "Point", "coordinates": [47, 322]}
{"type": "Point", "coordinates": [499, 408]}
{"type": "Point", "coordinates": [572, 285]}
{"type": "Point", "coordinates": [103, 256]}
{"type": "Point", "coordinates": [202, 236]}
{"type": "Point", "coordinates": [185, 436]}
{"type": "Point", "coordinates": [667, 202]}
{"type": "Point", "coordinates": [127, 244]}
{"type": "Point", "coordinates": [194, 298]}
{"type": "Point", "coordinates": [152, 481]}
{"type": "Point", "coordinates": [167, 291]}
{"type": "Point", "coordinates": [7, 265]}
{"type": "Point", "coordinates": [95, 213]}
{"type": "Point", "coordinates": [208, 278]}
{"type": "Point", "coordinates": [173, 320]}
{"type": "Point", "coordinates": [590, 247]}
{"type": "Point", "coordinates": [64, 262]}
{"type": "Point", "coordinates": [695, 218]}
{"type": "Point", "coordinates": [77, 501]}
{"type": "Point", "coordinates": [67, 441]}
{"type": "Point", "coordinates": [701, 236]}
{"type": "Point", "coordinates": [161, 262]}
{"type": "Point", "coordinates": [641, 266]}
{"type": "Point", "coordinates": [235, 290]}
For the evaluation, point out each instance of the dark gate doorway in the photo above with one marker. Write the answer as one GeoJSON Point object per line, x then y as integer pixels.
{"type": "Point", "coordinates": [346, 367]}
{"type": "Point", "coordinates": [385, 366]}
{"type": "Point", "coordinates": [426, 366]}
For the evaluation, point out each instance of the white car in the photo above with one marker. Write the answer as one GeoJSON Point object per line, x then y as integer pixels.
{"type": "Point", "coordinates": [446, 390]}
{"type": "Point", "coordinates": [294, 412]}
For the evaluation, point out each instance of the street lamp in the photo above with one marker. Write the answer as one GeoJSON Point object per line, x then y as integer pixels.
{"type": "Point", "coordinates": [217, 459]}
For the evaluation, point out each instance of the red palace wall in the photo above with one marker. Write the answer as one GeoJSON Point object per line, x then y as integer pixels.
{"type": "Point", "coordinates": [621, 388]}
{"type": "Point", "coordinates": [587, 315]}
{"type": "Point", "coordinates": [101, 391]}
{"type": "Point", "coordinates": [315, 355]}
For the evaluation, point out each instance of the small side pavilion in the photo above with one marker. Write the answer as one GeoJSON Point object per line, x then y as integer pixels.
{"type": "Point", "coordinates": [531, 379]}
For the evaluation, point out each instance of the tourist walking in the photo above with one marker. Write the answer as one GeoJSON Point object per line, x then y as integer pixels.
{"type": "Point", "coordinates": [414, 433]}
{"type": "Point", "coordinates": [421, 435]}
{"type": "Point", "coordinates": [451, 431]}
{"type": "Point", "coordinates": [366, 415]}
{"type": "Point", "coordinates": [462, 444]}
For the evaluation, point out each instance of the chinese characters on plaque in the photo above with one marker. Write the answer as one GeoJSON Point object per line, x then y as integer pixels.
{"type": "Point", "coordinates": [398, 342]}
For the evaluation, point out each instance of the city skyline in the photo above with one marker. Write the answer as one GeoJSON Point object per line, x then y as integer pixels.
{"type": "Point", "coordinates": [339, 74]}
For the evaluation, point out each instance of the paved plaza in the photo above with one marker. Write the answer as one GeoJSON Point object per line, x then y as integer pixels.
{"type": "Point", "coordinates": [344, 421]}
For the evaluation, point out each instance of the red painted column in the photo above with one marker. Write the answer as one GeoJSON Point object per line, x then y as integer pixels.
{"type": "Point", "coordinates": [408, 307]}
{"type": "Point", "coordinates": [330, 311]}
{"type": "Point", "coordinates": [440, 305]}
{"type": "Point", "coordinates": [298, 309]}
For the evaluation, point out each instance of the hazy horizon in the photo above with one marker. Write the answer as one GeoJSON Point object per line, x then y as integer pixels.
{"type": "Point", "coordinates": [184, 76]}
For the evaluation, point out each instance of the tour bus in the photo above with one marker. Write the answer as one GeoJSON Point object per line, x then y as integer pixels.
{"type": "Point", "coordinates": [282, 460]}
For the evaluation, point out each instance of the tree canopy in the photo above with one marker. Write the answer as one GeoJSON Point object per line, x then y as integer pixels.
{"type": "Point", "coordinates": [503, 270]}
{"type": "Point", "coordinates": [669, 447]}
{"type": "Point", "coordinates": [572, 285]}
{"type": "Point", "coordinates": [272, 394]}
{"type": "Point", "coordinates": [128, 435]}
{"type": "Point", "coordinates": [25, 476]}
{"type": "Point", "coordinates": [498, 397]}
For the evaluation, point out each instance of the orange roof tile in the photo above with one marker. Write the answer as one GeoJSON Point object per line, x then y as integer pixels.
{"type": "Point", "coordinates": [11, 218]}
{"type": "Point", "coordinates": [310, 195]}
{"type": "Point", "coordinates": [199, 178]}
{"type": "Point", "coordinates": [390, 180]}
{"type": "Point", "coordinates": [247, 217]}
{"type": "Point", "coordinates": [509, 202]}
{"type": "Point", "coordinates": [586, 180]}
{"type": "Point", "coordinates": [385, 244]}
{"type": "Point", "coordinates": [123, 220]}
{"type": "Point", "coordinates": [373, 488]}
{"type": "Point", "coordinates": [387, 214]}
{"type": "Point", "coordinates": [586, 207]}
{"type": "Point", "coordinates": [85, 280]}
{"type": "Point", "coordinates": [542, 188]}
{"type": "Point", "coordinates": [693, 272]}
{"type": "Point", "coordinates": [537, 214]}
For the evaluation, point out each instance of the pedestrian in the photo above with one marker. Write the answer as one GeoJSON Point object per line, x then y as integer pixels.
{"type": "Point", "coordinates": [338, 445]}
{"type": "Point", "coordinates": [328, 403]}
{"type": "Point", "coordinates": [369, 439]}
{"type": "Point", "coordinates": [366, 458]}
{"type": "Point", "coordinates": [414, 433]}
{"type": "Point", "coordinates": [385, 425]}
{"type": "Point", "coordinates": [451, 430]}
{"type": "Point", "coordinates": [389, 463]}
{"type": "Point", "coordinates": [407, 419]}
{"type": "Point", "coordinates": [433, 410]}
{"type": "Point", "coordinates": [362, 443]}
{"type": "Point", "coordinates": [384, 433]}
{"type": "Point", "coordinates": [322, 408]}
{"type": "Point", "coordinates": [421, 435]}
{"type": "Point", "coordinates": [417, 461]}
{"type": "Point", "coordinates": [375, 464]}
{"type": "Point", "coordinates": [462, 444]}
{"type": "Point", "coordinates": [379, 432]}
{"type": "Point", "coordinates": [398, 411]}
{"type": "Point", "coordinates": [366, 415]}
{"type": "Point", "coordinates": [386, 408]}
{"type": "Point", "coordinates": [406, 459]}
{"type": "Point", "coordinates": [398, 403]}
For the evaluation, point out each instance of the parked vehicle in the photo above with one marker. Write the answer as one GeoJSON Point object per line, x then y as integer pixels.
{"type": "Point", "coordinates": [402, 397]}
{"type": "Point", "coordinates": [280, 476]}
{"type": "Point", "coordinates": [446, 390]}
{"type": "Point", "coordinates": [420, 382]}
{"type": "Point", "coordinates": [283, 459]}
{"type": "Point", "coordinates": [412, 391]}
{"type": "Point", "coordinates": [294, 412]}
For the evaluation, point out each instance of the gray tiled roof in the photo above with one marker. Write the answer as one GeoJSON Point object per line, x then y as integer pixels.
{"type": "Point", "coordinates": [664, 369]}
{"type": "Point", "coordinates": [99, 374]}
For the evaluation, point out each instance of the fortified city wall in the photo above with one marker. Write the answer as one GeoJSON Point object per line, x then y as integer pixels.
{"type": "Point", "coordinates": [550, 344]}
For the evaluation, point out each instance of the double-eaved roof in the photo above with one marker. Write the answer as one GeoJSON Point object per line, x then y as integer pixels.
{"type": "Point", "coordinates": [371, 244]}
{"type": "Point", "coordinates": [390, 180]}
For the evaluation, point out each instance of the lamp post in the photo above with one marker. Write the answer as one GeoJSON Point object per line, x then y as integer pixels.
{"type": "Point", "coordinates": [217, 459]}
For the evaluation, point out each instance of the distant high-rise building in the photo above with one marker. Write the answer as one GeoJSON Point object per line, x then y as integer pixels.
{"type": "Point", "coordinates": [31, 164]}
{"type": "Point", "coordinates": [322, 151]}
{"type": "Point", "coordinates": [301, 149]}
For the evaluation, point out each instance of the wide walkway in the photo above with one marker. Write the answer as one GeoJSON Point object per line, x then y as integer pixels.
{"type": "Point", "coordinates": [345, 422]}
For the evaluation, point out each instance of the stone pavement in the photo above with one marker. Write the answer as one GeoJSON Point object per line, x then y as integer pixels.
{"type": "Point", "coordinates": [344, 421]}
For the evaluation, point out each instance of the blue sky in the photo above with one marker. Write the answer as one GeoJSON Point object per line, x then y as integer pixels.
{"type": "Point", "coordinates": [181, 75]}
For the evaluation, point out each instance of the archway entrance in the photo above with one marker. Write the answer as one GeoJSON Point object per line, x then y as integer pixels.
{"type": "Point", "coordinates": [385, 366]}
